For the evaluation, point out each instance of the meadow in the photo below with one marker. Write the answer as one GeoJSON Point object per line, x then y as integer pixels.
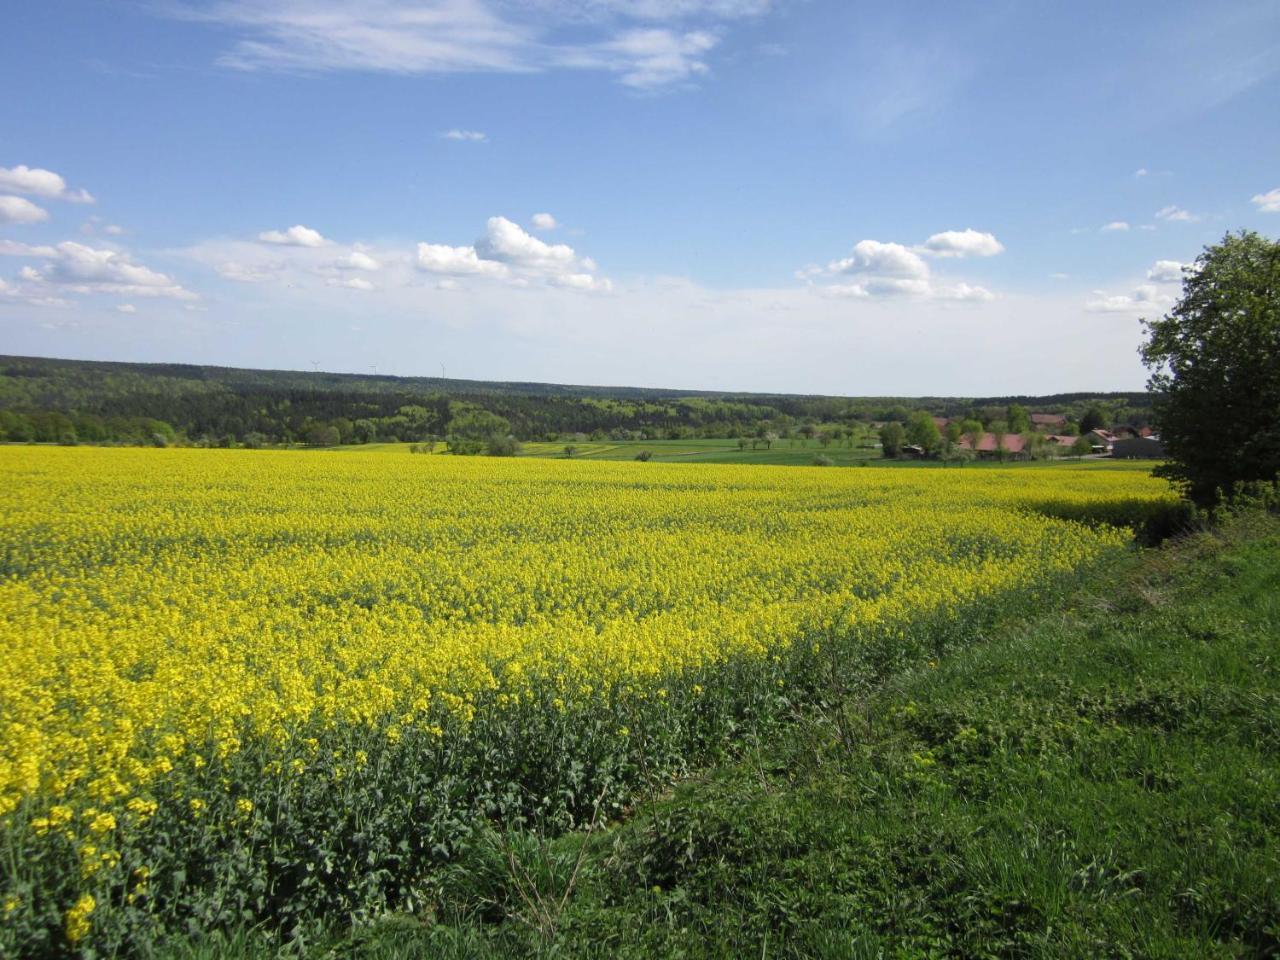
{"type": "Point", "coordinates": [290, 687]}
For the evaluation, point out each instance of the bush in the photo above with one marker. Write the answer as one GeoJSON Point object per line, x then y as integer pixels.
{"type": "Point", "coordinates": [644, 456]}
{"type": "Point", "coordinates": [499, 446]}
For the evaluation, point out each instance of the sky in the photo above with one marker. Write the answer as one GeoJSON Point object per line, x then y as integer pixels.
{"type": "Point", "coordinates": [802, 196]}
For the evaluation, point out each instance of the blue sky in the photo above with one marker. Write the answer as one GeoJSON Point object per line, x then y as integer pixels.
{"type": "Point", "coordinates": [792, 195]}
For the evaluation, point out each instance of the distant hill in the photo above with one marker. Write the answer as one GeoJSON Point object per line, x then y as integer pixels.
{"type": "Point", "coordinates": [51, 399]}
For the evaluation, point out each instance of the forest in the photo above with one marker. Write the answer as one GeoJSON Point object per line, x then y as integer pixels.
{"type": "Point", "coordinates": [78, 401]}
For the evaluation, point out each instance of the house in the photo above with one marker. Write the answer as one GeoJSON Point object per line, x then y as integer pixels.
{"type": "Point", "coordinates": [941, 423]}
{"type": "Point", "coordinates": [1138, 448]}
{"type": "Point", "coordinates": [1014, 446]}
{"type": "Point", "coordinates": [1101, 440]}
{"type": "Point", "coordinates": [1061, 440]}
{"type": "Point", "coordinates": [1039, 420]}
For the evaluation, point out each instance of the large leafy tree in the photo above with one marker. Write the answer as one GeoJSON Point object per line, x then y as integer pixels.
{"type": "Point", "coordinates": [1215, 361]}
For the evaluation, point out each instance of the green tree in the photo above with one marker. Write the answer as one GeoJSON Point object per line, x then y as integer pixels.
{"type": "Point", "coordinates": [1082, 447]}
{"type": "Point", "coordinates": [1094, 418]}
{"type": "Point", "coordinates": [500, 446]}
{"type": "Point", "coordinates": [1215, 362]}
{"type": "Point", "coordinates": [923, 432]}
{"type": "Point", "coordinates": [1019, 419]}
{"type": "Point", "coordinates": [892, 437]}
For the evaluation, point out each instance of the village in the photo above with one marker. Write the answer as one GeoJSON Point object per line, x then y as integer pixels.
{"type": "Point", "coordinates": [1047, 438]}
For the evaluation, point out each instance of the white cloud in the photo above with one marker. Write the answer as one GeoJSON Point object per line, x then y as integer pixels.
{"type": "Point", "coordinates": [645, 43]}
{"type": "Point", "coordinates": [1141, 172]}
{"type": "Point", "coordinates": [36, 182]}
{"type": "Point", "coordinates": [508, 252]}
{"type": "Point", "coordinates": [468, 136]}
{"type": "Point", "coordinates": [896, 270]}
{"type": "Point", "coordinates": [654, 58]}
{"type": "Point", "coordinates": [1143, 299]}
{"type": "Point", "coordinates": [84, 269]}
{"type": "Point", "coordinates": [582, 281]}
{"type": "Point", "coordinates": [1059, 276]}
{"type": "Point", "coordinates": [507, 242]}
{"type": "Point", "coordinates": [543, 221]}
{"type": "Point", "coordinates": [358, 260]}
{"type": "Point", "coordinates": [12, 248]}
{"type": "Point", "coordinates": [1268, 202]}
{"type": "Point", "coordinates": [876, 257]}
{"type": "Point", "coordinates": [1166, 271]}
{"type": "Point", "coordinates": [72, 267]}
{"type": "Point", "coordinates": [246, 273]}
{"type": "Point", "coordinates": [965, 291]}
{"type": "Point", "coordinates": [350, 283]}
{"type": "Point", "coordinates": [1115, 226]}
{"type": "Point", "coordinates": [113, 229]}
{"type": "Point", "coordinates": [962, 243]}
{"type": "Point", "coordinates": [295, 236]}
{"type": "Point", "coordinates": [441, 258]}
{"type": "Point", "coordinates": [21, 210]}
{"type": "Point", "coordinates": [1176, 214]}
{"type": "Point", "coordinates": [126, 308]}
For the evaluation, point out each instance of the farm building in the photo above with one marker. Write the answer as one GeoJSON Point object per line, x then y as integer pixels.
{"type": "Point", "coordinates": [1014, 446]}
{"type": "Point", "coordinates": [1138, 448]}
{"type": "Point", "coordinates": [1047, 419]}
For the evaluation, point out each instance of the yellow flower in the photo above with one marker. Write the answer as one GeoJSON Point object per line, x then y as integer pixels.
{"type": "Point", "coordinates": [244, 807]}
{"type": "Point", "coordinates": [77, 919]}
{"type": "Point", "coordinates": [102, 823]}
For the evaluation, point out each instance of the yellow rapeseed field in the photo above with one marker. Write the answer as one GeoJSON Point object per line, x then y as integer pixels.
{"type": "Point", "coordinates": [162, 609]}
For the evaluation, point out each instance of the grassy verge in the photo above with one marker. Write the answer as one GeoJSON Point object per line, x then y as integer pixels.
{"type": "Point", "coordinates": [1099, 781]}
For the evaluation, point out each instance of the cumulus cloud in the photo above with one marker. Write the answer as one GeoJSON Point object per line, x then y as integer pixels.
{"type": "Point", "coordinates": [877, 257]}
{"type": "Point", "coordinates": [358, 260]}
{"type": "Point", "coordinates": [1141, 172]}
{"type": "Point", "coordinates": [1268, 202]}
{"type": "Point", "coordinates": [36, 182]}
{"type": "Point", "coordinates": [1143, 299]}
{"type": "Point", "coordinates": [1166, 271]}
{"type": "Point", "coordinates": [1176, 214]}
{"type": "Point", "coordinates": [508, 251]}
{"type": "Point", "coordinates": [126, 308]}
{"type": "Point", "coordinates": [295, 236]}
{"type": "Point", "coordinates": [442, 258]}
{"type": "Point", "coordinates": [507, 242]}
{"type": "Point", "coordinates": [21, 210]}
{"type": "Point", "coordinates": [72, 267]}
{"type": "Point", "coordinates": [962, 243]}
{"type": "Point", "coordinates": [886, 269]}
{"type": "Point", "coordinates": [467, 136]}
{"type": "Point", "coordinates": [965, 291]}
{"type": "Point", "coordinates": [543, 221]}
{"type": "Point", "coordinates": [1115, 226]}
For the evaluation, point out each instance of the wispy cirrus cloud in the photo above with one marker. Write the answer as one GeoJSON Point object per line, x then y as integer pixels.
{"type": "Point", "coordinates": [647, 44]}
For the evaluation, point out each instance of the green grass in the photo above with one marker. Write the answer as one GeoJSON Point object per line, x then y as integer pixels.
{"type": "Point", "coordinates": [1095, 781]}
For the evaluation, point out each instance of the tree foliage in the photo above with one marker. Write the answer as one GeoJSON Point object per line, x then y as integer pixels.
{"type": "Point", "coordinates": [892, 437]}
{"type": "Point", "coordinates": [1215, 361]}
